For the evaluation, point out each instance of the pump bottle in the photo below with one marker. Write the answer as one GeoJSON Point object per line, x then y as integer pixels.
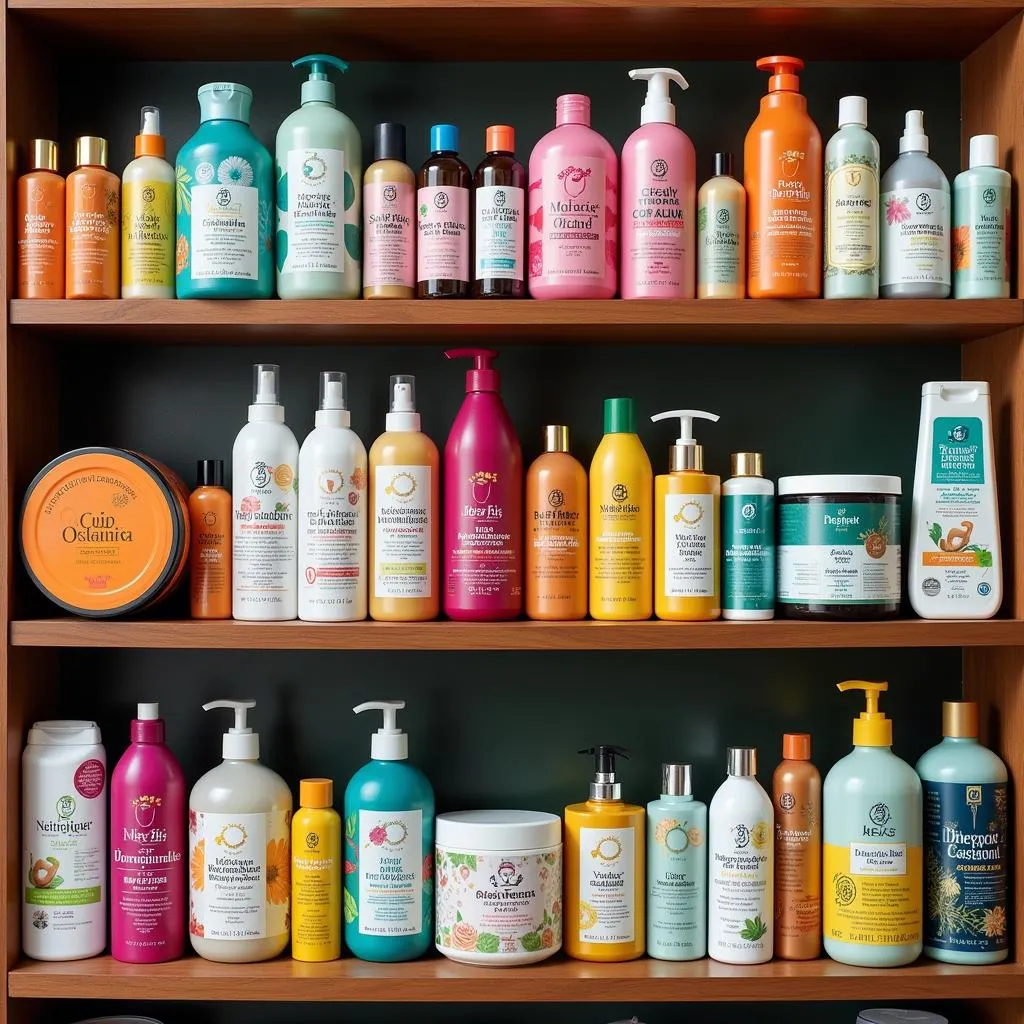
{"type": "Point", "coordinates": [604, 869]}
{"type": "Point", "coordinates": [686, 533]}
{"type": "Point", "coordinates": [239, 852]}
{"type": "Point", "coordinates": [659, 194]}
{"type": "Point", "coordinates": [389, 820]}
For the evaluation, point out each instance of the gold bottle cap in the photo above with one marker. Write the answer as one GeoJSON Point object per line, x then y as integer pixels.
{"type": "Point", "coordinates": [42, 155]}
{"type": "Point", "coordinates": [682, 457]}
{"type": "Point", "coordinates": [556, 438]}
{"type": "Point", "coordinates": [960, 719]}
{"type": "Point", "coordinates": [747, 464]}
{"type": "Point", "coordinates": [91, 151]}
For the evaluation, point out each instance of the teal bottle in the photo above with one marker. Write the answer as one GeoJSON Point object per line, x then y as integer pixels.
{"type": "Point", "coordinates": [388, 902]}
{"type": "Point", "coordinates": [224, 199]}
{"type": "Point", "coordinates": [967, 851]}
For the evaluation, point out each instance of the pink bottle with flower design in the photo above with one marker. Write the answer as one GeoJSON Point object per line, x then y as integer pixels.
{"type": "Point", "coordinates": [573, 208]}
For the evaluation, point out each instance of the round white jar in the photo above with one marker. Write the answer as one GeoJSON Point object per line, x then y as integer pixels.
{"type": "Point", "coordinates": [499, 887]}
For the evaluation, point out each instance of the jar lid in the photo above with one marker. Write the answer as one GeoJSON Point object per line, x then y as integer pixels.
{"type": "Point", "coordinates": [498, 831]}
{"type": "Point", "coordinates": [64, 732]}
{"type": "Point", "coordinates": [840, 483]}
{"type": "Point", "coordinates": [885, 1015]}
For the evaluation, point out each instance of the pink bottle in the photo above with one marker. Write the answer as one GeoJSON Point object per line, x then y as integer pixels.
{"type": "Point", "coordinates": [148, 905]}
{"type": "Point", "coordinates": [573, 202]}
{"type": "Point", "coordinates": [483, 502]}
{"type": "Point", "coordinates": [659, 197]}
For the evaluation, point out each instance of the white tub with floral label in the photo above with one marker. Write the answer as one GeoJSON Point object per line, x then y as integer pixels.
{"type": "Point", "coordinates": [499, 887]}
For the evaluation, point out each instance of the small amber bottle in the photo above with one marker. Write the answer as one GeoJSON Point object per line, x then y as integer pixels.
{"type": "Point", "coordinates": [93, 204]}
{"type": "Point", "coordinates": [500, 200]}
{"type": "Point", "coordinates": [443, 213]}
{"type": "Point", "coordinates": [41, 225]}
{"type": "Point", "coordinates": [209, 509]}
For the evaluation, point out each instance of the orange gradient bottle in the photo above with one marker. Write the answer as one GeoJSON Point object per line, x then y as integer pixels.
{"type": "Point", "coordinates": [41, 225]}
{"type": "Point", "coordinates": [209, 510]}
{"type": "Point", "coordinates": [93, 205]}
{"type": "Point", "coordinates": [556, 532]}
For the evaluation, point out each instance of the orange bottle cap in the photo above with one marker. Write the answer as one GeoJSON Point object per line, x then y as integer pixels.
{"type": "Point", "coordinates": [150, 145]}
{"type": "Point", "coordinates": [501, 138]}
{"type": "Point", "coordinates": [796, 746]}
{"type": "Point", "coordinates": [784, 77]}
{"type": "Point", "coordinates": [316, 793]}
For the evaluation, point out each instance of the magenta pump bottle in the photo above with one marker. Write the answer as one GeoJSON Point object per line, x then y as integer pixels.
{"type": "Point", "coordinates": [148, 894]}
{"type": "Point", "coordinates": [483, 502]}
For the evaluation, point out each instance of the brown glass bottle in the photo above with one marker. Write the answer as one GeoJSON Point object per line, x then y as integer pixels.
{"type": "Point", "coordinates": [500, 220]}
{"type": "Point", "coordinates": [443, 211]}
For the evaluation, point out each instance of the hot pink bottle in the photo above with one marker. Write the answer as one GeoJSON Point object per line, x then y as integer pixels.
{"type": "Point", "coordinates": [148, 904]}
{"type": "Point", "coordinates": [573, 202]}
{"type": "Point", "coordinates": [483, 502]}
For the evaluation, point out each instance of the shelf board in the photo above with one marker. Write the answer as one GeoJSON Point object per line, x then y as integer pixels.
{"type": "Point", "coordinates": [512, 636]}
{"type": "Point", "coordinates": [614, 321]}
{"type": "Point", "coordinates": [520, 29]}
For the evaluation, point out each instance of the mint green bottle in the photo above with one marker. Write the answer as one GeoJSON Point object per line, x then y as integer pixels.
{"type": "Point", "coordinates": [967, 853]}
{"type": "Point", "coordinates": [677, 869]}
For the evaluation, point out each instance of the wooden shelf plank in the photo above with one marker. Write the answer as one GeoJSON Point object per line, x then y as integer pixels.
{"type": "Point", "coordinates": [673, 321]}
{"type": "Point", "coordinates": [512, 636]}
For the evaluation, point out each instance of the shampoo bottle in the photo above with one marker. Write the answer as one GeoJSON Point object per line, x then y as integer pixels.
{"type": "Point", "coordinates": [147, 847]}
{"type": "Point", "coordinates": [389, 218]}
{"type": "Point", "coordinates": [40, 213]}
{"type": "Point", "coordinates": [604, 869]}
{"type": "Point", "coordinates": [748, 540]}
{"type": "Point", "coordinates": [872, 856]}
{"type": "Point", "coordinates": [573, 204]}
{"type": "Point", "coordinates": [319, 163]}
{"type": "Point", "coordinates": [851, 205]}
{"type": "Point", "coordinates": [686, 532]}
{"type": "Point", "coordinates": [722, 234]}
{"type": "Point", "coordinates": [677, 869]}
{"type": "Point", "coordinates": [443, 215]}
{"type": "Point", "coordinates": [500, 200]}
{"type": "Point", "coordinates": [621, 519]}
{"type": "Point", "coordinates": [93, 217]}
{"type": "Point", "coordinates": [982, 228]}
{"type": "Point", "coordinates": [967, 843]}
{"type": "Point", "coordinates": [405, 511]}
{"type": "Point", "coordinates": [483, 501]}
{"type": "Point", "coordinates": [316, 874]}
{"type": "Point", "coordinates": [659, 193]}
{"type": "Point", "coordinates": [239, 821]}
{"type": "Point", "coordinates": [956, 561]}
{"type": "Point", "coordinates": [782, 172]}
{"type": "Point", "coordinates": [264, 534]}
{"type": "Point", "coordinates": [389, 849]}
{"type": "Point", "coordinates": [209, 510]}
{"type": "Point", "coordinates": [332, 511]}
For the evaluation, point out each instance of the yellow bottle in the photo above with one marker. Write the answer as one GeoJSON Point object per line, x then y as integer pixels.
{"type": "Point", "coordinates": [687, 584]}
{"type": "Point", "coordinates": [316, 874]}
{"type": "Point", "coordinates": [620, 518]}
{"type": "Point", "coordinates": [404, 501]}
{"type": "Point", "coordinates": [604, 869]}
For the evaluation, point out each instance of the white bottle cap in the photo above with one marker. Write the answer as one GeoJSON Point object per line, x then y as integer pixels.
{"type": "Point", "coordinates": [914, 139]}
{"type": "Point", "coordinates": [658, 108]}
{"type": "Point", "coordinates": [266, 393]}
{"type": "Point", "coordinates": [403, 415]}
{"type": "Point", "coordinates": [148, 712]}
{"type": "Point", "coordinates": [984, 150]}
{"type": "Point", "coordinates": [240, 742]}
{"type": "Point", "coordinates": [333, 411]}
{"type": "Point", "coordinates": [389, 743]}
{"type": "Point", "coordinates": [853, 110]}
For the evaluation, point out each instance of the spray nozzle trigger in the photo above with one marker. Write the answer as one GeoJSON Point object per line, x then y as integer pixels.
{"type": "Point", "coordinates": [913, 139]}
{"type": "Point", "coordinates": [265, 386]}
{"type": "Point", "coordinates": [658, 106]}
{"type": "Point", "coordinates": [685, 453]}
{"type": "Point", "coordinates": [483, 377]}
{"type": "Point", "coordinates": [403, 393]}
{"type": "Point", "coordinates": [388, 743]}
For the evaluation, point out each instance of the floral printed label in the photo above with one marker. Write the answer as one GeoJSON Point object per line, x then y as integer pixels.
{"type": "Point", "coordinates": [607, 887]}
{"type": "Point", "coordinates": [915, 236]}
{"type": "Point", "coordinates": [390, 873]}
{"type": "Point", "coordinates": [982, 237]}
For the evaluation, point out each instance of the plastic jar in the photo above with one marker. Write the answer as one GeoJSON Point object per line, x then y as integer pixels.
{"type": "Point", "coordinates": [499, 886]}
{"type": "Point", "coordinates": [839, 547]}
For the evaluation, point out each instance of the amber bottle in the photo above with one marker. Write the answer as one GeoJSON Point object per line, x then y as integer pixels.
{"type": "Point", "coordinates": [41, 225]}
{"type": "Point", "coordinates": [93, 204]}
{"type": "Point", "coordinates": [209, 510]}
{"type": "Point", "coordinates": [499, 199]}
{"type": "Point", "coordinates": [443, 214]}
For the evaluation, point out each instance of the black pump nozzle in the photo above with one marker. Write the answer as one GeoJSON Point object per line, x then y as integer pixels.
{"type": "Point", "coordinates": [605, 786]}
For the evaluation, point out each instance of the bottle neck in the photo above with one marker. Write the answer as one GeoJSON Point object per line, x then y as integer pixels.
{"type": "Point", "coordinates": [148, 730]}
{"type": "Point", "coordinates": [402, 422]}
{"type": "Point", "coordinates": [333, 418]}
{"type": "Point", "coordinates": [266, 414]}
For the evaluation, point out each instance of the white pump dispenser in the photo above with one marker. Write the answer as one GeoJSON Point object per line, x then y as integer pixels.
{"type": "Point", "coordinates": [658, 108]}
{"type": "Point", "coordinates": [389, 743]}
{"type": "Point", "coordinates": [686, 453]}
{"type": "Point", "coordinates": [240, 742]}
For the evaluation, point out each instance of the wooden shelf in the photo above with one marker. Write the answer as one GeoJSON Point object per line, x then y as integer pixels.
{"type": "Point", "coordinates": [512, 636]}
{"type": "Point", "coordinates": [615, 321]}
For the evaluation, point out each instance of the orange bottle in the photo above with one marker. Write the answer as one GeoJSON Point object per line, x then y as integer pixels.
{"type": "Point", "coordinates": [556, 532]}
{"type": "Point", "coordinates": [41, 225]}
{"type": "Point", "coordinates": [209, 511]}
{"type": "Point", "coordinates": [782, 173]}
{"type": "Point", "coordinates": [93, 197]}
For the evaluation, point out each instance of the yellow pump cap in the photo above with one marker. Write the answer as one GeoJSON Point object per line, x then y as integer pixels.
{"type": "Point", "coordinates": [871, 728]}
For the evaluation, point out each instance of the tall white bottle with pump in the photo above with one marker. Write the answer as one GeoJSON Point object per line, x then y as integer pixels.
{"type": "Point", "coordinates": [332, 511]}
{"type": "Point", "coordinates": [263, 505]}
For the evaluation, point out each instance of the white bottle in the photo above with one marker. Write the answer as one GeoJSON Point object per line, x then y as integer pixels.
{"type": "Point", "coordinates": [264, 531]}
{"type": "Point", "coordinates": [741, 839]}
{"type": "Point", "coordinates": [332, 511]}
{"type": "Point", "coordinates": [956, 569]}
{"type": "Point", "coordinates": [239, 841]}
{"type": "Point", "coordinates": [63, 879]}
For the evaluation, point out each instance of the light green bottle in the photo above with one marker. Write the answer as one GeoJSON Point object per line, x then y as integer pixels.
{"type": "Point", "coordinates": [966, 844]}
{"type": "Point", "coordinates": [319, 161]}
{"type": "Point", "coordinates": [872, 855]}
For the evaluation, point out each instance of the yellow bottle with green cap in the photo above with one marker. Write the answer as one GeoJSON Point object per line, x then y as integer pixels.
{"type": "Point", "coordinates": [872, 895]}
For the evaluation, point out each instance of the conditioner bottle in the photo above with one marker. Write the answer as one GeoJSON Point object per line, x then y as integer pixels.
{"type": "Point", "coordinates": [93, 217]}
{"type": "Point", "coordinates": [40, 215]}
{"type": "Point", "coordinates": [500, 200]}
{"type": "Point", "coordinates": [443, 207]}
{"type": "Point", "coordinates": [981, 224]}
{"type": "Point", "coordinates": [389, 218]}
{"type": "Point", "coordinates": [748, 540]}
{"type": "Point", "coordinates": [209, 509]}
{"type": "Point", "coordinates": [722, 234]}
{"type": "Point", "coordinates": [316, 874]}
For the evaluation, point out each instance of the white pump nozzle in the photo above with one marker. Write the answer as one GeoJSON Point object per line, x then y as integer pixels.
{"type": "Point", "coordinates": [388, 743]}
{"type": "Point", "coordinates": [403, 414]}
{"type": "Point", "coordinates": [147, 712]}
{"type": "Point", "coordinates": [266, 393]}
{"type": "Point", "coordinates": [333, 409]}
{"type": "Point", "coordinates": [685, 453]}
{"type": "Point", "coordinates": [914, 139]}
{"type": "Point", "coordinates": [150, 121]}
{"type": "Point", "coordinates": [240, 742]}
{"type": "Point", "coordinates": [658, 108]}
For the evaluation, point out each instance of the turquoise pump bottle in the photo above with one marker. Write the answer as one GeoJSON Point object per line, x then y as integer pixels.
{"type": "Point", "coordinates": [389, 849]}
{"type": "Point", "coordinates": [224, 199]}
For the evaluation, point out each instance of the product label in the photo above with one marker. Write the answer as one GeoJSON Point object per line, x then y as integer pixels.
{"type": "Point", "coordinates": [607, 885]}
{"type": "Point", "coordinates": [690, 545]}
{"type": "Point", "coordinates": [748, 558]}
{"type": "Point", "coordinates": [839, 554]}
{"type": "Point", "coordinates": [312, 230]}
{"type": "Point", "coordinates": [915, 236]}
{"type": "Point", "coordinates": [719, 243]}
{"type": "Point", "coordinates": [797, 866]}
{"type": "Point", "coordinates": [740, 904]}
{"type": "Point", "coordinates": [967, 865]}
{"type": "Point", "coordinates": [316, 875]}
{"type": "Point", "coordinates": [147, 234]}
{"type": "Point", "coordinates": [442, 234]}
{"type": "Point", "coordinates": [210, 559]}
{"type": "Point", "coordinates": [981, 237]}
{"type": "Point", "coordinates": [619, 535]}
{"type": "Point", "coordinates": [390, 866]}
{"type": "Point", "coordinates": [225, 230]}
{"type": "Point", "coordinates": [95, 216]}
{"type": "Point", "coordinates": [499, 232]}
{"type": "Point", "coordinates": [677, 883]}
{"type": "Point", "coordinates": [403, 532]}
{"type": "Point", "coordinates": [851, 217]}
{"type": "Point", "coordinates": [657, 247]}
{"type": "Point", "coordinates": [493, 903]}
{"type": "Point", "coordinates": [557, 547]}
{"type": "Point", "coordinates": [389, 235]}
{"type": "Point", "coordinates": [577, 241]}
{"type": "Point", "coordinates": [40, 236]}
